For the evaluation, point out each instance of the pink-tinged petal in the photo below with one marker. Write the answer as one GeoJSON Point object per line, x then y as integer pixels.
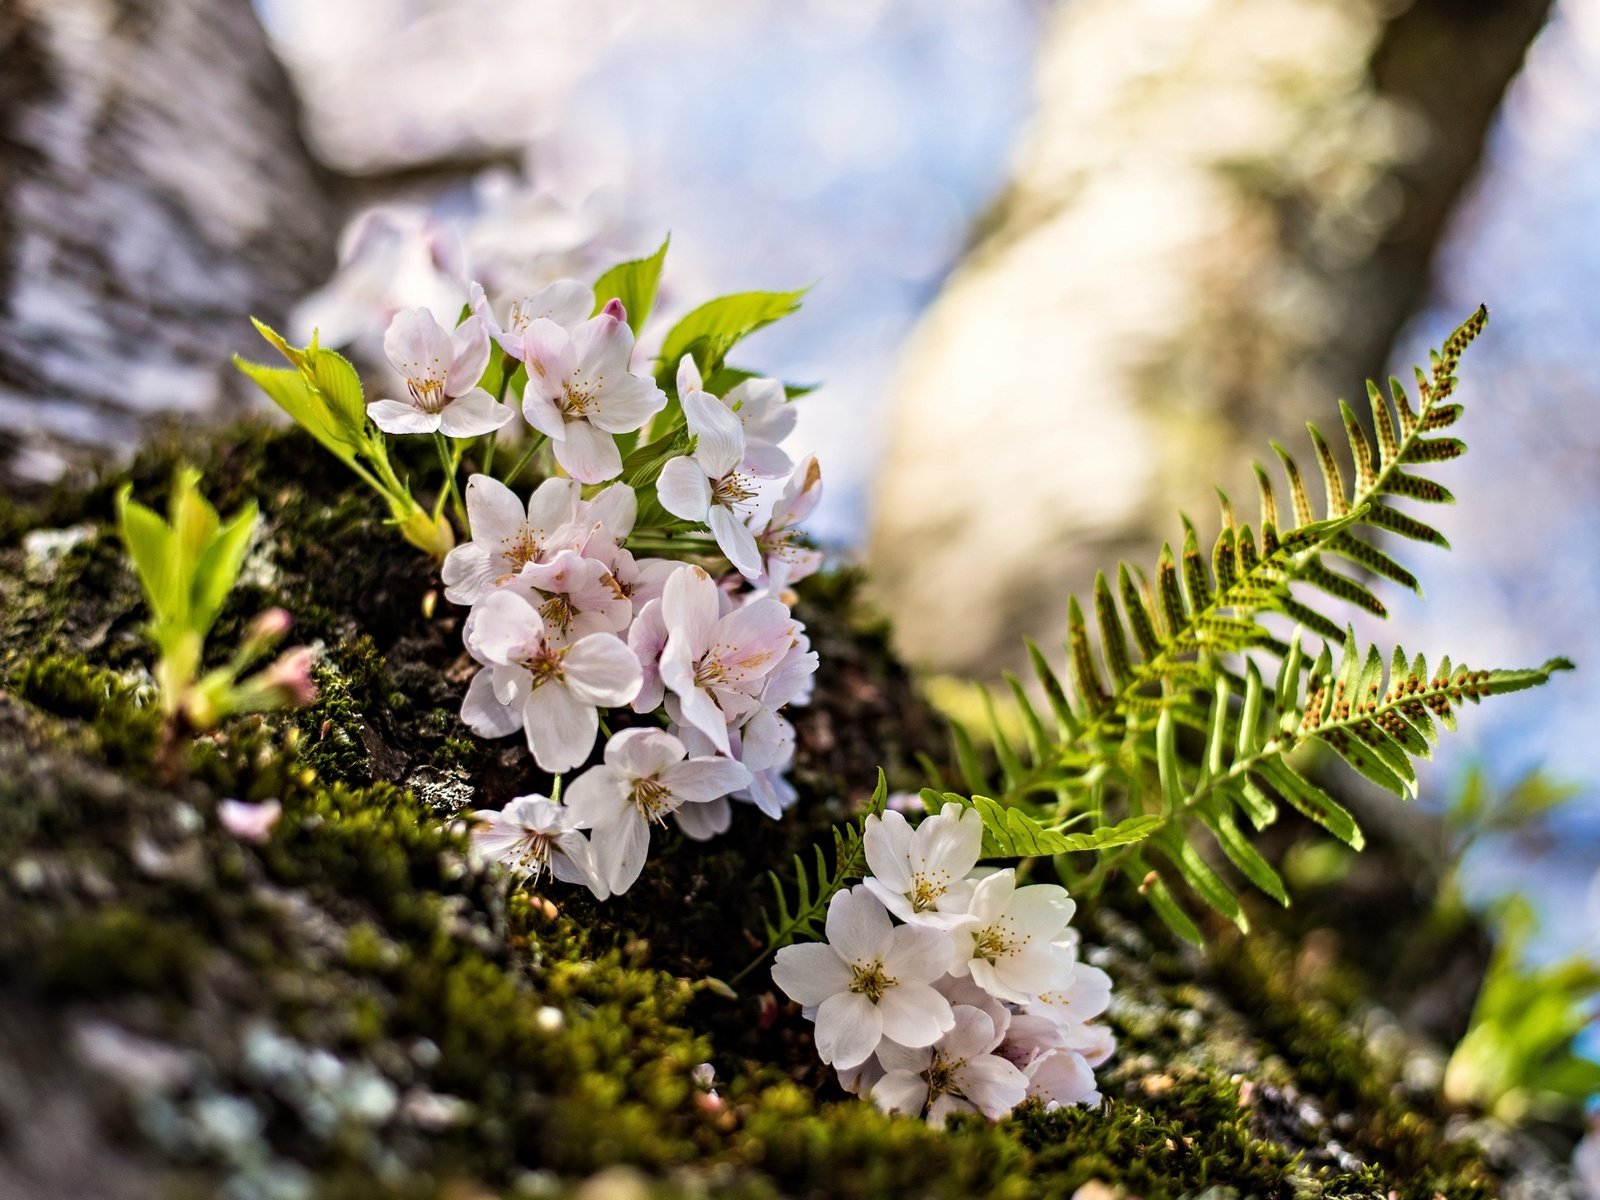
{"type": "Point", "coordinates": [703, 779]}
{"type": "Point", "coordinates": [473, 415]}
{"type": "Point", "coordinates": [915, 1015]}
{"type": "Point", "coordinates": [752, 640]}
{"type": "Point", "coordinates": [800, 495]}
{"type": "Point", "coordinates": [616, 507]}
{"type": "Point", "coordinates": [560, 728]}
{"type": "Point", "coordinates": [504, 624]}
{"type": "Point", "coordinates": [1061, 1077]}
{"type": "Point", "coordinates": [395, 416]}
{"type": "Point", "coordinates": [917, 954]}
{"type": "Point", "coordinates": [1023, 975]}
{"type": "Point", "coordinates": [549, 355]}
{"type": "Point", "coordinates": [810, 972]}
{"type": "Point", "coordinates": [416, 346]}
{"type": "Point", "coordinates": [554, 503]}
{"type": "Point", "coordinates": [769, 462]}
{"type": "Point", "coordinates": [888, 841]}
{"type": "Point", "coordinates": [567, 302]}
{"type": "Point", "coordinates": [620, 849]}
{"type": "Point", "coordinates": [690, 606]}
{"type": "Point", "coordinates": [467, 573]}
{"type": "Point", "coordinates": [970, 1034]}
{"type": "Point", "coordinates": [587, 454]}
{"type": "Point", "coordinates": [764, 409]}
{"type": "Point", "coordinates": [949, 842]}
{"type": "Point", "coordinates": [627, 403]}
{"type": "Point", "coordinates": [702, 822]}
{"type": "Point", "coordinates": [720, 445]}
{"type": "Point", "coordinates": [892, 1056]}
{"type": "Point", "coordinates": [643, 753]}
{"type": "Point", "coordinates": [249, 822]}
{"type": "Point", "coordinates": [695, 705]}
{"type": "Point", "coordinates": [572, 861]}
{"type": "Point", "coordinates": [482, 713]}
{"type": "Point", "coordinates": [493, 510]}
{"type": "Point", "coordinates": [599, 796]}
{"type": "Point", "coordinates": [540, 411]}
{"type": "Point", "coordinates": [602, 671]}
{"type": "Point", "coordinates": [768, 741]}
{"type": "Point", "coordinates": [604, 347]}
{"type": "Point", "coordinates": [992, 1085]}
{"type": "Point", "coordinates": [860, 1079]}
{"type": "Point", "coordinates": [735, 540]}
{"type": "Point", "coordinates": [849, 1028]}
{"type": "Point", "coordinates": [859, 927]}
{"type": "Point", "coordinates": [469, 349]}
{"type": "Point", "coordinates": [688, 376]}
{"type": "Point", "coordinates": [683, 488]}
{"type": "Point", "coordinates": [903, 1093]}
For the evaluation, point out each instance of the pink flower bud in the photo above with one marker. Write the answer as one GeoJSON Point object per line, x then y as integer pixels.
{"type": "Point", "coordinates": [249, 822]}
{"type": "Point", "coordinates": [290, 674]}
{"type": "Point", "coordinates": [614, 310]}
{"type": "Point", "coordinates": [270, 625]}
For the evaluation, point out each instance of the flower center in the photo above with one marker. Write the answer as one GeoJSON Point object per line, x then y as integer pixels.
{"type": "Point", "coordinates": [426, 394]}
{"type": "Point", "coordinates": [520, 549]}
{"type": "Point", "coordinates": [533, 854]}
{"type": "Point", "coordinates": [709, 671]}
{"type": "Point", "coordinates": [941, 1074]}
{"type": "Point", "coordinates": [993, 942]}
{"type": "Point", "coordinates": [653, 799]}
{"type": "Point", "coordinates": [927, 888]}
{"type": "Point", "coordinates": [870, 980]}
{"type": "Point", "coordinates": [543, 662]}
{"type": "Point", "coordinates": [733, 488]}
{"type": "Point", "coordinates": [576, 401]}
{"type": "Point", "coordinates": [557, 612]}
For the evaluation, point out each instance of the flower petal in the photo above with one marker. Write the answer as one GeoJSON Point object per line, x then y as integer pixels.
{"type": "Point", "coordinates": [703, 779]}
{"type": "Point", "coordinates": [602, 671]}
{"type": "Point", "coordinates": [810, 972]}
{"type": "Point", "coordinates": [627, 403]}
{"type": "Point", "coordinates": [702, 822]}
{"type": "Point", "coordinates": [620, 849]}
{"type": "Point", "coordinates": [858, 926]}
{"type": "Point", "coordinates": [689, 607]}
{"type": "Point", "coordinates": [949, 841]}
{"type": "Point", "coordinates": [735, 540]}
{"type": "Point", "coordinates": [598, 797]}
{"type": "Point", "coordinates": [394, 416]}
{"type": "Point", "coordinates": [473, 414]}
{"type": "Point", "coordinates": [560, 727]}
{"type": "Point", "coordinates": [643, 753]}
{"type": "Point", "coordinates": [916, 1015]}
{"type": "Point", "coordinates": [849, 1027]}
{"type": "Point", "coordinates": [587, 454]}
{"type": "Point", "coordinates": [901, 1092]}
{"type": "Point", "coordinates": [888, 840]}
{"type": "Point", "coordinates": [416, 346]}
{"type": "Point", "coordinates": [683, 488]}
{"type": "Point", "coordinates": [503, 624]}
{"type": "Point", "coordinates": [482, 713]}
{"type": "Point", "coordinates": [469, 356]}
{"type": "Point", "coordinates": [720, 445]}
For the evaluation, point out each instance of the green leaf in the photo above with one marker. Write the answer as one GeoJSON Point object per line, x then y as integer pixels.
{"type": "Point", "coordinates": [217, 568]}
{"type": "Point", "coordinates": [711, 330]}
{"type": "Point", "coordinates": [1170, 912]}
{"type": "Point", "coordinates": [634, 283]}
{"type": "Point", "coordinates": [336, 379]}
{"type": "Point", "coordinates": [1011, 833]}
{"type": "Point", "coordinates": [288, 389]}
{"type": "Point", "coordinates": [149, 542]}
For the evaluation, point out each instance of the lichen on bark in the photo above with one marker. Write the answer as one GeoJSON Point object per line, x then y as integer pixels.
{"type": "Point", "coordinates": [353, 1008]}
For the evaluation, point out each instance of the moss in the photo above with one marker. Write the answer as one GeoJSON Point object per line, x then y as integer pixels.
{"type": "Point", "coordinates": [383, 1018]}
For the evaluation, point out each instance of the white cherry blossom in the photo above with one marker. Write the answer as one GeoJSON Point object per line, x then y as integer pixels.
{"type": "Point", "coordinates": [1008, 946]}
{"type": "Point", "coordinates": [921, 874]}
{"type": "Point", "coordinates": [566, 302]}
{"type": "Point", "coordinates": [764, 411]}
{"type": "Point", "coordinates": [712, 663]}
{"type": "Point", "coordinates": [506, 536]}
{"type": "Point", "coordinates": [868, 981]}
{"type": "Point", "coordinates": [441, 371]}
{"type": "Point", "coordinates": [575, 595]}
{"type": "Point", "coordinates": [958, 1073]}
{"type": "Point", "coordinates": [580, 391]}
{"type": "Point", "coordinates": [549, 685]}
{"type": "Point", "coordinates": [533, 834]}
{"type": "Point", "coordinates": [646, 777]}
{"type": "Point", "coordinates": [708, 485]}
{"type": "Point", "coordinates": [785, 559]}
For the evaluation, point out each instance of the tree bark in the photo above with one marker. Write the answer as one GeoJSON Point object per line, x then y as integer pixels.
{"type": "Point", "coordinates": [1221, 219]}
{"type": "Point", "coordinates": [154, 193]}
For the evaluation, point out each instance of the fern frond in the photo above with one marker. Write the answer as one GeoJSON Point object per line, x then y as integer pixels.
{"type": "Point", "coordinates": [816, 883]}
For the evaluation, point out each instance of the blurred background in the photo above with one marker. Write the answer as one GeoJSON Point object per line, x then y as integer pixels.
{"type": "Point", "coordinates": [1073, 264]}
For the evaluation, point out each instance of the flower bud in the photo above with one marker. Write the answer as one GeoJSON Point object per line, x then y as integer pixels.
{"type": "Point", "coordinates": [290, 676]}
{"type": "Point", "coordinates": [270, 625]}
{"type": "Point", "coordinates": [427, 534]}
{"type": "Point", "coordinates": [614, 310]}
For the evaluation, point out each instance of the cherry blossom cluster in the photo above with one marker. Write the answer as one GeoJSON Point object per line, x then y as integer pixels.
{"type": "Point", "coordinates": [974, 1001]}
{"type": "Point", "coordinates": [567, 622]}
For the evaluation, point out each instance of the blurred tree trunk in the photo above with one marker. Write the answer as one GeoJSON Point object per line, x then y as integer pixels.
{"type": "Point", "coordinates": [154, 193]}
{"type": "Point", "coordinates": [1220, 220]}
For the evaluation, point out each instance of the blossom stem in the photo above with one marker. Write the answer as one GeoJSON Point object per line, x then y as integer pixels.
{"type": "Point", "coordinates": [488, 454]}
{"type": "Point", "coordinates": [447, 461]}
{"type": "Point", "coordinates": [527, 457]}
